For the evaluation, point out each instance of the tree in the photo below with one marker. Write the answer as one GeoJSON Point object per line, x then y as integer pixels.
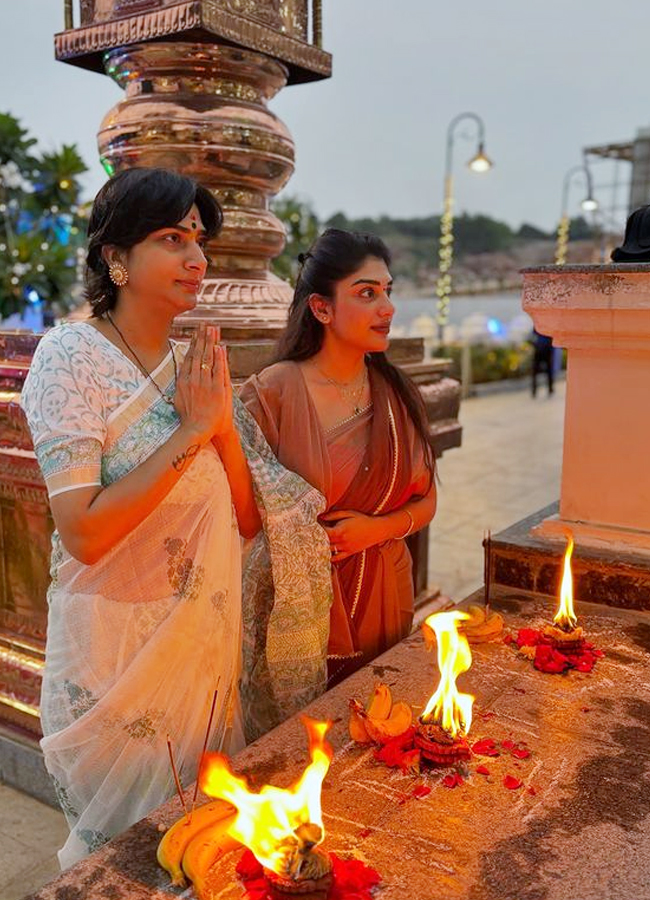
{"type": "Point", "coordinates": [302, 227]}
{"type": "Point", "coordinates": [41, 222]}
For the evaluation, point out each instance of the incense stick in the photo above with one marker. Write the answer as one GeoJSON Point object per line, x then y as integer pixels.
{"type": "Point", "coordinates": [177, 780]}
{"type": "Point", "coordinates": [487, 543]}
{"type": "Point", "coordinates": [205, 743]}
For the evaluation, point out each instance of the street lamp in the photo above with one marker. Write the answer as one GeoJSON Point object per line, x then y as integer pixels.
{"type": "Point", "coordinates": [478, 163]}
{"type": "Point", "coordinates": [589, 204]}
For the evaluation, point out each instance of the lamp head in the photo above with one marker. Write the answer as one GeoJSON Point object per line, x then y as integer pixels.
{"type": "Point", "coordinates": [480, 162]}
{"type": "Point", "coordinates": [589, 204]}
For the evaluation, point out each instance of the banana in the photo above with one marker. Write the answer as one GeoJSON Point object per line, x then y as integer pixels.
{"type": "Point", "coordinates": [429, 636]}
{"type": "Point", "coordinates": [477, 628]}
{"type": "Point", "coordinates": [397, 723]}
{"type": "Point", "coordinates": [357, 723]}
{"type": "Point", "coordinates": [176, 839]}
{"type": "Point", "coordinates": [380, 702]}
{"type": "Point", "coordinates": [205, 849]}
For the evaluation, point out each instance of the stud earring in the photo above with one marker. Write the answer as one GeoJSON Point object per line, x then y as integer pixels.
{"type": "Point", "coordinates": [118, 274]}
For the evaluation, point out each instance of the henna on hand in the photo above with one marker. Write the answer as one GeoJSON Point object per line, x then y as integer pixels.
{"type": "Point", "coordinates": [181, 461]}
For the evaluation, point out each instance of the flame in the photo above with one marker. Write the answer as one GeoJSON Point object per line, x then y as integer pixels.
{"type": "Point", "coordinates": [448, 707]}
{"type": "Point", "coordinates": [267, 821]}
{"type": "Point", "coordinates": [565, 617]}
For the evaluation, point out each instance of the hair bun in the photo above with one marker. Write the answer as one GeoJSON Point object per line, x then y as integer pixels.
{"type": "Point", "coordinates": [303, 257]}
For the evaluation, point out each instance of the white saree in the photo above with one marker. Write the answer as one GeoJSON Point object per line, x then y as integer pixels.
{"type": "Point", "coordinates": [136, 642]}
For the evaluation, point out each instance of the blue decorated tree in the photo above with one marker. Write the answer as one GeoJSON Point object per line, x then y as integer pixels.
{"type": "Point", "coordinates": [42, 224]}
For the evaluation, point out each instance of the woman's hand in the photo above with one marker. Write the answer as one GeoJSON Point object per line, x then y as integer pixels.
{"type": "Point", "coordinates": [351, 532]}
{"type": "Point", "coordinates": [203, 397]}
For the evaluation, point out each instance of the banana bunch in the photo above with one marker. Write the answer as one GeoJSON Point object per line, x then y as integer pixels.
{"type": "Point", "coordinates": [193, 844]}
{"type": "Point", "coordinates": [381, 719]}
{"type": "Point", "coordinates": [479, 627]}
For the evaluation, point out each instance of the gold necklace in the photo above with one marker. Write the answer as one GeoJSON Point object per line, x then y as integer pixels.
{"type": "Point", "coordinates": [167, 396]}
{"type": "Point", "coordinates": [347, 393]}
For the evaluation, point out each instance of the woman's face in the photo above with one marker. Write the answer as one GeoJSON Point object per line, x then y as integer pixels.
{"type": "Point", "coordinates": [362, 311]}
{"type": "Point", "coordinates": [168, 266]}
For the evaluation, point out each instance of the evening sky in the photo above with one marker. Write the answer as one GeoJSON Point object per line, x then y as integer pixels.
{"type": "Point", "coordinates": [548, 78]}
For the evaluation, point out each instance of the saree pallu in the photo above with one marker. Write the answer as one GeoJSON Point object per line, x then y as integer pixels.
{"type": "Point", "coordinates": [372, 605]}
{"type": "Point", "coordinates": [138, 642]}
{"type": "Point", "coordinates": [286, 591]}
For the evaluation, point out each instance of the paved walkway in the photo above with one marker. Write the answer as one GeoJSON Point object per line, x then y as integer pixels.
{"type": "Point", "coordinates": [507, 468]}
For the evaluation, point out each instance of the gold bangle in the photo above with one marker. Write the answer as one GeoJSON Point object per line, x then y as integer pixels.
{"type": "Point", "coordinates": [410, 528]}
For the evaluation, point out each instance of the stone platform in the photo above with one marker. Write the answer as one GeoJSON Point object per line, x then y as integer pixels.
{"type": "Point", "coordinates": [520, 559]}
{"type": "Point", "coordinates": [578, 827]}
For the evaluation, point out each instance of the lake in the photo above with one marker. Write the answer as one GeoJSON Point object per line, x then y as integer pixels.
{"type": "Point", "coordinates": [505, 307]}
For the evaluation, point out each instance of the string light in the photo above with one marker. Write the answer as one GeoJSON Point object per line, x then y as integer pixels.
{"type": "Point", "coordinates": [562, 240]}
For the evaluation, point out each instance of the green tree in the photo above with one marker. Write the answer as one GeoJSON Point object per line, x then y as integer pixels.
{"type": "Point", "coordinates": [41, 222]}
{"type": "Point", "coordinates": [302, 227]}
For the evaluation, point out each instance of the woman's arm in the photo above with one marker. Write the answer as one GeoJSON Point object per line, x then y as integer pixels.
{"type": "Point", "coordinates": [241, 485]}
{"type": "Point", "coordinates": [92, 520]}
{"type": "Point", "coordinates": [353, 531]}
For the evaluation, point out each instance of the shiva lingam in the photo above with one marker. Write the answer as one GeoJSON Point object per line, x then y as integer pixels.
{"type": "Point", "coordinates": [565, 634]}
{"type": "Point", "coordinates": [283, 827]}
{"type": "Point", "coordinates": [443, 726]}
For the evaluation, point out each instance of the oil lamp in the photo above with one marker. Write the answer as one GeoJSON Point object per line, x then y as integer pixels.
{"type": "Point", "coordinates": [443, 726]}
{"type": "Point", "coordinates": [283, 827]}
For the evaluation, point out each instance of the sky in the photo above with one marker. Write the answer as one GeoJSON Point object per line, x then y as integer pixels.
{"type": "Point", "coordinates": [547, 78]}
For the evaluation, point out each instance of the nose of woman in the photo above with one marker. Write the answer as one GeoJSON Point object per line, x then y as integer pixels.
{"type": "Point", "coordinates": [196, 258]}
{"type": "Point", "coordinates": [387, 307]}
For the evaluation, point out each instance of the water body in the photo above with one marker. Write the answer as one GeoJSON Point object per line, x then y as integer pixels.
{"type": "Point", "coordinates": [504, 307]}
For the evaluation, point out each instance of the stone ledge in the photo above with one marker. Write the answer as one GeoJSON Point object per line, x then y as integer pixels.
{"type": "Point", "coordinates": [523, 560]}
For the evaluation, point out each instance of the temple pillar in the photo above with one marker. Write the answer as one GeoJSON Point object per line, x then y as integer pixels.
{"type": "Point", "coordinates": [601, 315]}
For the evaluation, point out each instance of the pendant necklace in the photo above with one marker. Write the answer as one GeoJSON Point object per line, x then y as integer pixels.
{"type": "Point", "coordinates": [348, 393]}
{"type": "Point", "coordinates": [168, 397]}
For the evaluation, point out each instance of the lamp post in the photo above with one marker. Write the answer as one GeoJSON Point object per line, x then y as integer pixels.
{"type": "Point", "coordinates": [478, 163]}
{"type": "Point", "coordinates": [588, 204]}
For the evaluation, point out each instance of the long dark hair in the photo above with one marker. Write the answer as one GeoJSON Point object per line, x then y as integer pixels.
{"type": "Point", "coordinates": [132, 205]}
{"type": "Point", "coordinates": [336, 255]}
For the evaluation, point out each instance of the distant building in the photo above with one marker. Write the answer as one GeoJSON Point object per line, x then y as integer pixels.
{"type": "Point", "coordinates": [629, 187]}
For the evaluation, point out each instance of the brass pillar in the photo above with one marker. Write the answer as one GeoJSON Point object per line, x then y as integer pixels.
{"type": "Point", "coordinates": [201, 109]}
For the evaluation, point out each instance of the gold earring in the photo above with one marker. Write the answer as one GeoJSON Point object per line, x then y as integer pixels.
{"type": "Point", "coordinates": [118, 274]}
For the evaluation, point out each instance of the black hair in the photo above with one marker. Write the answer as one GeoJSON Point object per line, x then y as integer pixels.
{"type": "Point", "coordinates": [130, 206]}
{"type": "Point", "coordinates": [336, 255]}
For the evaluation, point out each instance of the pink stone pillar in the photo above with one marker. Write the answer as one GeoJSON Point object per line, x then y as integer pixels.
{"type": "Point", "coordinates": [601, 315]}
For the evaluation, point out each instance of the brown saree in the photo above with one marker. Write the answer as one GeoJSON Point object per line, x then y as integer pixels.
{"type": "Point", "coordinates": [372, 463]}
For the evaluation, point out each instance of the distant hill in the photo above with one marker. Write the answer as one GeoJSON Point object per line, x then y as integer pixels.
{"type": "Point", "coordinates": [488, 254]}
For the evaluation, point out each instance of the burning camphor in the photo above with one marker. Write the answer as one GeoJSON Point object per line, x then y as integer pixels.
{"type": "Point", "coordinates": [565, 632]}
{"type": "Point", "coordinates": [447, 717]}
{"type": "Point", "coordinates": [281, 826]}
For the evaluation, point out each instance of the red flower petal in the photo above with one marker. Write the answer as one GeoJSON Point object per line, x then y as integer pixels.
{"type": "Point", "coordinates": [451, 781]}
{"type": "Point", "coordinates": [549, 660]}
{"type": "Point", "coordinates": [508, 639]}
{"type": "Point", "coordinates": [507, 744]}
{"type": "Point", "coordinates": [512, 783]}
{"type": "Point", "coordinates": [248, 867]}
{"type": "Point", "coordinates": [531, 790]}
{"type": "Point", "coordinates": [365, 832]}
{"type": "Point", "coordinates": [520, 752]}
{"type": "Point", "coordinates": [400, 752]}
{"type": "Point", "coordinates": [482, 770]}
{"type": "Point", "coordinates": [528, 637]}
{"type": "Point", "coordinates": [352, 879]}
{"type": "Point", "coordinates": [420, 791]}
{"type": "Point", "coordinates": [485, 747]}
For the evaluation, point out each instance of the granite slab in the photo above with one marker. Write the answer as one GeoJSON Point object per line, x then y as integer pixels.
{"type": "Point", "coordinates": [579, 826]}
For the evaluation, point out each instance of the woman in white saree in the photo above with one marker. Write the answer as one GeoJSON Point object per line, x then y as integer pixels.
{"type": "Point", "coordinates": [149, 490]}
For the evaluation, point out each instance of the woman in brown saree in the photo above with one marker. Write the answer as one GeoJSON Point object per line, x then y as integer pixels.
{"type": "Point", "coordinates": [334, 410]}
